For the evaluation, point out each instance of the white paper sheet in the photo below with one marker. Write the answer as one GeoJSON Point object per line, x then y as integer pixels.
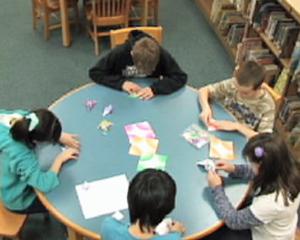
{"type": "Point", "coordinates": [103, 196]}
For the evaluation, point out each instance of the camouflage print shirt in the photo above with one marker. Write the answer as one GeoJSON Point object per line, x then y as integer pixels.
{"type": "Point", "coordinates": [258, 114]}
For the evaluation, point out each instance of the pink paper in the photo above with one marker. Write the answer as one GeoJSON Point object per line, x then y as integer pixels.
{"type": "Point", "coordinates": [141, 129]}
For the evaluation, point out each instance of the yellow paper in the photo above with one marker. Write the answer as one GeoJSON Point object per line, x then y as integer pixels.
{"type": "Point", "coordinates": [143, 146]}
{"type": "Point", "coordinates": [221, 149]}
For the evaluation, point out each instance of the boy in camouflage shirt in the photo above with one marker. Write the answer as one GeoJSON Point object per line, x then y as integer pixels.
{"type": "Point", "coordinates": [244, 97]}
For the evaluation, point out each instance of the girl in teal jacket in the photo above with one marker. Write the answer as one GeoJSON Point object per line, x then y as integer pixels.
{"type": "Point", "coordinates": [20, 172]}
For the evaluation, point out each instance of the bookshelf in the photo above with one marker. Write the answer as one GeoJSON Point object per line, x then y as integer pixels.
{"type": "Point", "coordinates": [291, 7]}
{"type": "Point", "coordinates": [205, 6]}
{"type": "Point", "coordinates": [275, 50]}
{"type": "Point", "coordinates": [280, 129]}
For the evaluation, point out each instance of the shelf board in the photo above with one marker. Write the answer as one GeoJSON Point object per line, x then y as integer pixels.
{"type": "Point", "coordinates": [205, 7]}
{"type": "Point", "coordinates": [275, 50]}
{"type": "Point", "coordinates": [292, 8]}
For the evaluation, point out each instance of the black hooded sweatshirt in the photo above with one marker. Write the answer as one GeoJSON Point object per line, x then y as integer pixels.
{"type": "Point", "coordinates": [109, 70]}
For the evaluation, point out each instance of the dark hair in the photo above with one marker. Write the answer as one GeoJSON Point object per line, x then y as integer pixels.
{"type": "Point", "coordinates": [48, 128]}
{"type": "Point", "coordinates": [250, 74]}
{"type": "Point", "coordinates": [151, 196]}
{"type": "Point", "coordinates": [277, 170]}
{"type": "Point", "coordinates": [145, 55]}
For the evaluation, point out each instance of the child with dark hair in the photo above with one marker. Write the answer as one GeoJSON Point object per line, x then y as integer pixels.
{"type": "Point", "coordinates": [275, 187]}
{"type": "Point", "coordinates": [151, 196]}
{"type": "Point", "coordinates": [139, 57]}
{"type": "Point", "coordinates": [20, 172]}
{"type": "Point", "coordinates": [244, 97]}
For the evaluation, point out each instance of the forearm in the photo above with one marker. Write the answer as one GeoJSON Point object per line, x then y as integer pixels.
{"type": "Point", "coordinates": [242, 171]}
{"type": "Point", "coordinates": [234, 219]}
{"type": "Point", "coordinates": [169, 84]}
{"type": "Point", "coordinates": [56, 166]}
{"type": "Point", "coordinates": [108, 79]}
{"type": "Point", "coordinates": [245, 130]}
{"type": "Point", "coordinates": [203, 95]}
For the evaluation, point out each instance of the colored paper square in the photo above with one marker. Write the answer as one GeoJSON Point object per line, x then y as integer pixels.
{"type": "Point", "coordinates": [196, 136]}
{"type": "Point", "coordinates": [152, 161]}
{"type": "Point", "coordinates": [221, 149]}
{"type": "Point", "coordinates": [141, 129]}
{"type": "Point", "coordinates": [143, 146]}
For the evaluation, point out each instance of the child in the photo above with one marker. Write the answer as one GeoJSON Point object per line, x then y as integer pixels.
{"type": "Point", "coordinates": [151, 196]}
{"type": "Point", "coordinates": [20, 173]}
{"type": "Point", "coordinates": [275, 189]}
{"type": "Point", "coordinates": [140, 56]}
{"type": "Point", "coordinates": [244, 96]}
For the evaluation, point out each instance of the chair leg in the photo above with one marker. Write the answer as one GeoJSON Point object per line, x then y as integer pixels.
{"type": "Point", "coordinates": [156, 8]}
{"type": "Point", "coordinates": [34, 14]}
{"type": "Point", "coordinates": [96, 40]}
{"type": "Point", "coordinates": [76, 11]}
{"type": "Point", "coordinates": [46, 23]}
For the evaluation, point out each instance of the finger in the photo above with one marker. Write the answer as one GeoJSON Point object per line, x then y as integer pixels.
{"type": "Point", "coordinates": [140, 93]}
{"type": "Point", "coordinates": [75, 136]}
{"type": "Point", "coordinates": [146, 96]}
{"type": "Point", "coordinates": [149, 97]}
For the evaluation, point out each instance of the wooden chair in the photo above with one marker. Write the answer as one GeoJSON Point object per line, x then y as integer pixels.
{"type": "Point", "coordinates": [118, 37]}
{"type": "Point", "coordinates": [276, 97]}
{"type": "Point", "coordinates": [10, 223]}
{"type": "Point", "coordinates": [106, 13]}
{"type": "Point", "coordinates": [297, 237]}
{"type": "Point", "coordinates": [138, 10]}
{"type": "Point", "coordinates": [45, 10]}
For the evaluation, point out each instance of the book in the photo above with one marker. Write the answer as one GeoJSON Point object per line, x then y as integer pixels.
{"type": "Point", "coordinates": [288, 41]}
{"type": "Point", "coordinates": [282, 81]}
{"type": "Point", "coordinates": [291, 104]}
{"type": "Point", "coordinates": [292, 120]}
{"type": "Point", "coordinates": [271, 72]}
{"type": "Point", "coordinates": [235, 34]}
{"type": "Point", "coordinates": [245, 46]}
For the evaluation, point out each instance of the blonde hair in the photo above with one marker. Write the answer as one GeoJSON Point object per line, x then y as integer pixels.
{"type": "Point", "coordinates": [145, 55]}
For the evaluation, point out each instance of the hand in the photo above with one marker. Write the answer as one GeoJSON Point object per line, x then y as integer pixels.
{"type": "Point", "coordinates": [145, 93]}
{"type": "Point", "coordinates": [131, 87]}
{"type": "Point", "coordinates": [70, 140]}
{"type": "Point", "coordinates": [69, 154]}
{"type": "Point", "coordinates": [177, 227]}
{"type": "Point", "coordinates": [225, 125]}
{"type": "Point", "coordinates": [206, 115]}
{"type": "Point", "coordinates": [214, 180]}
{"type": "Point", "coordinates": [225, 166]}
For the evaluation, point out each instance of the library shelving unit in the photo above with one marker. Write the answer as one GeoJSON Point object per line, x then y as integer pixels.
{"type": "Point", "coordinates": [292, 7]}
{"type": "Point", "coordinates": [205, 6]}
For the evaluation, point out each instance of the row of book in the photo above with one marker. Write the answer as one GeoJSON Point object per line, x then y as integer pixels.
{"type": "Point", "coordinates": [252, 48]}
{"type": "Point", "coordinates": [269, 17]}
{"type": "Point", "coordinates": [290, 112]}
{"type": "Point", "coordinates": [229, 20]}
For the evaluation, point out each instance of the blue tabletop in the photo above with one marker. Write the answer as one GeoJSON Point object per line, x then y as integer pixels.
{"type": "Point", "coordinates": [104, 156]}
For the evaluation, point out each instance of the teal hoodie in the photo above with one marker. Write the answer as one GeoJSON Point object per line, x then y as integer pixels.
{"type": "Point", "coordinates": [20, 172]}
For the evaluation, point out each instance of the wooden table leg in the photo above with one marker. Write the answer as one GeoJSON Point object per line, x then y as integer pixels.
{"type": "Point", "coordinates": [72, 235]}
{"type": "Point", "coordinates": [65, 23]}
{"type": "Point", "coordinates": [145, 13]}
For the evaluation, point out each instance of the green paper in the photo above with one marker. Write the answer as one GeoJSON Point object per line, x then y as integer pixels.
{"type": "Point", "coordinates": [155, 161]}
{"type": "Point", "coordinates": [133, 95]}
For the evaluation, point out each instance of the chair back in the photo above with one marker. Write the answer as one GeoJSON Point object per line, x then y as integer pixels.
{"type": "Point", "coordinates": [110, 12]}
{"type": "Point", "coordinates": [118, 37]}
{"type": "Point", "coordinates": [276, 97]}
{"type": "Point", "coordinates": [10, 223]}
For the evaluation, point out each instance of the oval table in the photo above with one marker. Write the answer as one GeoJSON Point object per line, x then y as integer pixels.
{"type": "Point", "coordinates": [103, 156]}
